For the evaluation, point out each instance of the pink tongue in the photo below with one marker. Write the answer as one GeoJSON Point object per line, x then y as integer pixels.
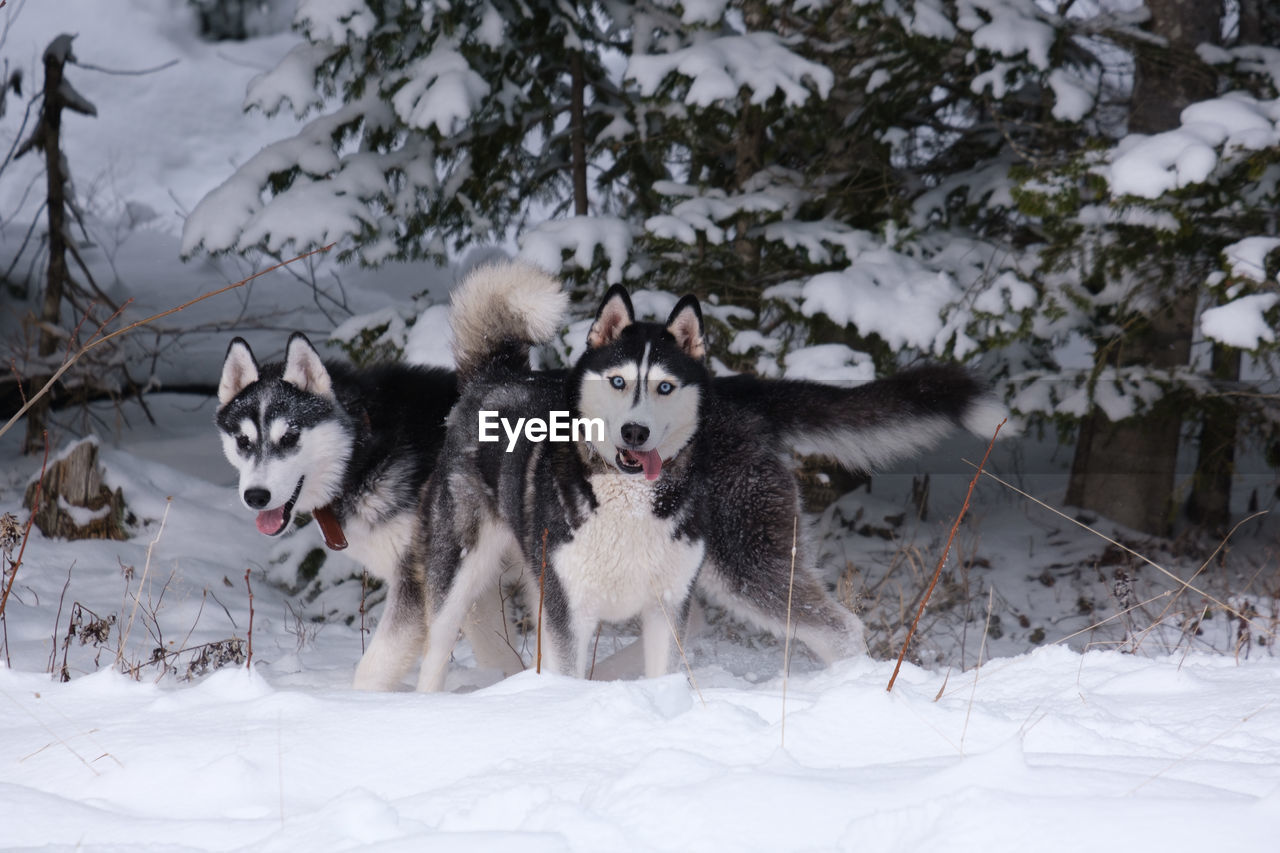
{"type": "Point", "coordinates": [652, 464]}
{"type": "Point", "coordinates": [270, 521]}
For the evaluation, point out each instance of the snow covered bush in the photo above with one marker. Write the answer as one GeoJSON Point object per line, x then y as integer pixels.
{"type": "Point", "coordinates": [433, 126]}
{"type": "Point", "coordinates": [1005, 180]}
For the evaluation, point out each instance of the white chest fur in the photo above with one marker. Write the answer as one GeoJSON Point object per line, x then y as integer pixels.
{"type": "Point", "coordinates": [379, 547]}
{"type": "Point", "coordinates": [623, 557]}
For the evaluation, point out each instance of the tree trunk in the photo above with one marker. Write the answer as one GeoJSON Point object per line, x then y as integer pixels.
{"type": "Point", "coordinates": [58, 95]}
{"type": "Point", "coordinates": [578, 133]}
{"type": "Point", "coordinates": [1126, 470]}
{"type": "Point", "coordinates": [1209, 504]}
{"type": "Point", "coordinates": [49, 134]}
{"type": "Point", "coordinates": [74, 502]}
{"type": "Point", "coordinates": [748, 157]}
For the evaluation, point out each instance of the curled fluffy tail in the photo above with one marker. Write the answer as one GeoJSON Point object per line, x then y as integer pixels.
{"type": "Point", "coordinates": [499, 312]}
{"type": "Point", "coordinates": [864, 427]}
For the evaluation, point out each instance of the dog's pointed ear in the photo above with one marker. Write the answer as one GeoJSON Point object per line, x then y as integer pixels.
{"type": "Point", "coordinates": [615, 314]}
{"type": "Point", "coordinates": [685, 324]}
{"type": "Point", "coordinates": [239, 371]}
{"type": "Point", "coordinates": [303, 367]}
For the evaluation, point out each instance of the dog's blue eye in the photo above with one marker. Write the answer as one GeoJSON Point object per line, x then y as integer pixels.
{"type": "Point", "coordinates": [665, 387]}
{"type": "Point", "coordinates": [242, 442]}
{"type": "Point", "coordinates": [618, 382]}
{"type": "Point", "coordinates": [289, 439]}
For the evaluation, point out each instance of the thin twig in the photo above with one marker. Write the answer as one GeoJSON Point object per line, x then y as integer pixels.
{"type": "Point", "coordinates": [542, 584]}
{"type": "Point", "coordinates": [125, 73]}
{"type": "Point", "coordinates": [53, 655]}
{"type": "Point", "coordinates": [66, 365]}
{"type": "Point", "coordinates": [364, 591]}
{"type": "Point", "coordinates": [1163, 613]}
{"type": "Point", "coordinates": [680, 648]}
{"type": "Point", "coordinates": [937, 572]}
{"type": "Point", "coordinates": [1175, 762]}
{"type": "Point", "coordinates": [182, 647]}
{"type": "Point", "coordinates": [248, 661]}
{"type": "Point", "coordinates": [57, 738]}
{"type": "Point", "coordinates": [786, 634]}
{"type": "Point", "coordinates": [591, 673]}
{"type": "Point", "coordinates": [1094, 626]}
{"type": "Point", "coordinates": [1184, 584]}
{"type": "Point", "coordinates": [146, 570]}
{"type": "Point", "coordinates": [982, 647]}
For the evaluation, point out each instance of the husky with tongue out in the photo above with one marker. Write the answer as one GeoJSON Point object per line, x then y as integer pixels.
{"type": "Point", "coordinates": [684, 485]}
{"type": "Point", "coordinates": [351, 447]}
{"type": "Point", "coordinates": [617, 516]}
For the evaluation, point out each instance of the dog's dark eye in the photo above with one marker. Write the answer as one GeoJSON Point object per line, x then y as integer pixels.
{"type": "Point", "coordinates": [665, 387]}
{"type": "Point", "coordinates": [242, 442]}
{"type": "Point", "coordinates": [618, 382]}
{"type": "Point", "coordinates": [289, 439]}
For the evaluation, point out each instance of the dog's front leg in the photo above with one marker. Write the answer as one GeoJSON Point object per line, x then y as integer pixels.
{"type": "Point", "coordinates": [657, 633]}
{"type": "Point", "coordinates": [397, 639]}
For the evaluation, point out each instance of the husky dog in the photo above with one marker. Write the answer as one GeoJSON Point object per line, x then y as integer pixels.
{"type": "Point", "coordinates": [676, 479]}
{"type": "Point", "coordinates": [352, 447]}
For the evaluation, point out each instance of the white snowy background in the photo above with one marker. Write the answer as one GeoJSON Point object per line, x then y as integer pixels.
{"type": "Point", "coordinates": [1061, 742]}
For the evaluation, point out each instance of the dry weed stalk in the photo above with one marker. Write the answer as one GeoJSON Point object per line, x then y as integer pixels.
{"type": "Point", "coordinates": [982, 647]}
{"type": "Point", "coordinates": [786, 636]}
{"type": "Point", "coordinates": [679, 646]}
{"type": "Point", "coordinates": [1187, 585]}
{"type": "Point", "coordinates": [146, 572]}
{"type": "Point", "coordinates": [248, 663]}
{"type": "Point", "coordinates": [1183, 585]}
{"type": "Point", "coordinates": [1182, 758]}
{"type": "Point", "coordinates": [22, 550]}
{"type": "Point", "coordinates": [542, 583]}
{"type": "Point", "coordinates": [937, 572]}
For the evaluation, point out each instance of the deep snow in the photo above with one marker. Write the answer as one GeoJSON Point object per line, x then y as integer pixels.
{"type": "Point", "coordinates": [1050, 751]}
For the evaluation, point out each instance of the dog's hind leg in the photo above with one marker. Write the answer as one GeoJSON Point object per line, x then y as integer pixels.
{"type": "Point", "coordinates": [489, 628]}
{"type": "Point", "coordinates": [755, 523]}
{"type": "Point", "coordinates": [457, 578]}
{"type": "Point", "coordinates": [825, 626]}
{"type": "Point", "coordinates": [397, 639]}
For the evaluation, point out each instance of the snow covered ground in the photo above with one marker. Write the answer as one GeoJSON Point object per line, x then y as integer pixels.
{"type": "Point", "coordinates": [1174, 745]}
{"type": "Point", "coordinates": [1051, 751]}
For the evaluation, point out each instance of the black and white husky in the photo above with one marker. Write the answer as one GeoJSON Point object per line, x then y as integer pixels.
{"type": "Point", "coordinates": [352, 447]}
{"type": "Point", "coordinates": [661, 479]}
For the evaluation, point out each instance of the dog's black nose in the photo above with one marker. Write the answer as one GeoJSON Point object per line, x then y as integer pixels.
{"type": "Point", "coordinates": [635, 434]}
{"type": "Point", "coordinates": [257, 498]}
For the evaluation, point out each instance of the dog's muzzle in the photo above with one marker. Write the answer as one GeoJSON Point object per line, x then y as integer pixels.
{"type": "Point", "coordinates": [272, 522]}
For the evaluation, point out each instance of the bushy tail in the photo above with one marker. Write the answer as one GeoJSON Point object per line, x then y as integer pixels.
{"type": "Point", "coordinates": [499, 312]}
{"type": "Point", "coordinates": [864, 427]}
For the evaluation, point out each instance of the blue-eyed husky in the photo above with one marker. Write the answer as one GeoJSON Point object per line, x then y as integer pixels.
{"type": "Point", "coordinates": [683, 480]}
